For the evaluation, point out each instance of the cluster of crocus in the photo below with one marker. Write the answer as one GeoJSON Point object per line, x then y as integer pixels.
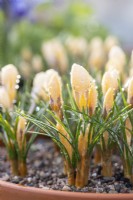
{"type": "Point", "coordinates": [92, 117]}
{"type": "Point", "coordinates": [55, 55]}
{"type": "Point", "coordinates": [30, 64]}
{"type": "Point", "coordinates": [13, 130]}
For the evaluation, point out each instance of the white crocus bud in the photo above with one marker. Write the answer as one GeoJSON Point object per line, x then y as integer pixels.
{"type": "Point", "coordinates": [55, 55]}
{"type": "Point", "coordinates": [130, 92]}
{"type": "Point", "coordinates": [118, 58]}
{"type": "Point", "coordinates": [77, 46]}
{"type": "Point", "coordinates": [96, 43]}
{"type": "Point", "coordinates": [25, 69]}
{"type": "Point", "coordinates": [108, 101]}
{"type": "Point", "coordinates": [55, 94]}
{"type": "Point", "coordinates": [9, 76]}
{"type": "Point", "coordinates": [4, 99]}
{"type": "Point", "coordinates": [38, 90]}
{"type": "Point", "coordinates": [26, 54]}
{"type": "Point", "coordinates": [37, 63]}
{"type": "Point", "coordinates": [109, 42]}
{"type": "Point", "coordinates": [81, 82]}
{"type": "Point", "coordinates": [110, 80]}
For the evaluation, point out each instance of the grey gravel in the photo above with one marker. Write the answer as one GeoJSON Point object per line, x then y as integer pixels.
{"type": "Point", "coordinates": [45, 171]}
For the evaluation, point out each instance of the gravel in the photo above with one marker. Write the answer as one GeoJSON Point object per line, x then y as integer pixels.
{"type": "Point", "coordinates": [45, 171]}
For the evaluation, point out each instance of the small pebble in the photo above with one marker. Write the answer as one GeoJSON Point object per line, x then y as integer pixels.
{"type": "Point", "coordinates": [66, 188]}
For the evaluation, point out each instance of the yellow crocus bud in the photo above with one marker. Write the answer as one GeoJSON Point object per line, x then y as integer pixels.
{"type": "Point", "coordinates": [118, 56]}
{"type": "Point", "coordinates": [21, 128]}
{"type": "Point", "coordinates": [9, 75]}
{"type": "Point", "coordinates": [114, 64]}
{"type": "Point", "coordinates": [110, 80]}
{"type": "Point", "coordinates": [4, 99]}
{"type": "Point", "coordinates": [38, 90]}
{"type": "Point", "coordinates": [96, 43]}
{"type": "Point", "coordinates": [129, 128]}
{"type": "Point", "coordinates": [109, 42]}
{"type": "Point", "coordinates": [55, 55]}
{"type": "Point", "coordinates": [37, 63]}
{"type": "Point", "coordinates": [97, 59]}
{"type": "Point", "coordinates": [77, 46]}
{"type": "Point", "coordinates": [26, 54]}
{"type": "Point", "coordinates": [108, 101]}
{"type": "Point", "coordinates": [48, 74]}
{"type": "Point", "coordinates": [130, 92]}
{"type": "Point", "coordinates": [25, 69]}
{"type": "Point", "coordinates": [81, 82]}
{"type": "Point", "coordinates": [93, 99]}
{"type": "Point", "coordinates": [55, 94]}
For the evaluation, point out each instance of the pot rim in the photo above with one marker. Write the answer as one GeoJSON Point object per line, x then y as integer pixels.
{"type": "Point", "coordinates": [4, 184]}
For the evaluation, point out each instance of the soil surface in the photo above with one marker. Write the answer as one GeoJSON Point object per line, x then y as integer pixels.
{"type": "Point", "coordinates": [45, 170]}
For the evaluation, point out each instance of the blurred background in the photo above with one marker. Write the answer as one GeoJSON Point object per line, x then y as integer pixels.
{"type": "Point", "coordinates": [26, 24]}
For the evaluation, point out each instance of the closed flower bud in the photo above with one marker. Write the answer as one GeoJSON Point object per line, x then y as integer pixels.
{"type": "Point", "coordinates": [4, 99]}
{"type": "Point", "coordinates": [37, 63]}
{"type": "Point", "coordinates": [97, 58]}
{"type": "Point", "coordinates": [96, 43]}
{"type": "Point", "coordinates": [9, 75]}
{"type": "Point", "coordinates": [55, 55]}
{"type": "Point", "coordinates": [128, 128]}
{"type": "Point", "coordinates": [48, 74]}
{"type": "Point", "coordinates": [38, 90]}
{"type": "Point", "coordinates": [81, 82]}
{"type": "Point", "coordinates": [21, 128]}
{"type": "Point", "coordinates": [110, 80]}
{"type": "Point", "coordinates": [109, 42]}
{"type": "Point", "coordinates": [77, 46]}
{"type": "Point", "coordinates": [130, 92]}
{"type": "Point", "coordinates": [93, 99]}
{"type": "Point", "coordinates": [26, 54]}
{"type": "Point", "coordinates": [117, 55]}
{"type": "Point", "coordinates": [25, 69]}
{"type": "Point", "coordinates": [55, 94]}
{"type": "Point", "coordinates": [108, 102]}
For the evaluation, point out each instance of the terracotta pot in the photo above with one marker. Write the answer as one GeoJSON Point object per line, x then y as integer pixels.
{"type": "Point", "coordinates": [9, 191]}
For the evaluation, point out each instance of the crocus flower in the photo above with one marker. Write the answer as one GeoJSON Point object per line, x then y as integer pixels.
{"type": "Point", "coordinates": [77, 46]}
{"type": "Point", "coordinates": [108, 101]}
{"type": "Point", "coordinates": [55, 94]}
{"type": "Point", "coordinates": [130, 92]}
{"type": "Point", "coordinates": [55, 55]}
{"type": "Point", "coordinates": [117, 59]}
{"type": "Point", "coordinates": [110, 80]}
{"type": "Point", "coordinates": [38, 90]}
{"type": "Point", "coordinates": [9, 76]}
{"type": "Point", "coordinates": [4, 99]}
{"type": "Point", "coordinates": [37, 63]}
{"type": "Point", "coordinates": [109, 42]}
{"type": "Point", "coordinates": [81, 82]}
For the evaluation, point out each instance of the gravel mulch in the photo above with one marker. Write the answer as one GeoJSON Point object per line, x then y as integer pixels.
{"type": "Point", "coordinates": [45, 170]}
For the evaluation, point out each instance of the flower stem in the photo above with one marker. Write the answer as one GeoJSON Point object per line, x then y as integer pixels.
{"type": "Point", "coordinates": [82, 172]}
{"type": "Point", "coordinates": [97, 155]}
{"type": "Point", "coordinates": [70, 173]}
{"type": "Point", "coordinates": [14, 167]}
{"type": "Point", "coordinates": [106, 164]}
{"type": "Point", "coordinates": [22, 168]}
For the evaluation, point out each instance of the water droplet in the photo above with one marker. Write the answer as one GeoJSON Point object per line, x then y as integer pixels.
{"type": "Point", "coordinates": [37, 108]}
{"type": "Point", "coordinates": [18, 76]}
{"type": "Point", "coordinates": [17, 87]}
